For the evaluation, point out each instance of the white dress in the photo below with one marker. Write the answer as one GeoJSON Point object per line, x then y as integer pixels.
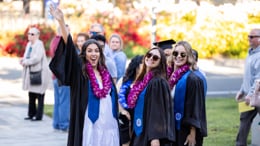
{"type": "Point", "coordinates": [104, 132]}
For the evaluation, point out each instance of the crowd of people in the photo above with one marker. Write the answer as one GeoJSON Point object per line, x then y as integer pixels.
{"type": "Point", "coordinates": [158, 99]}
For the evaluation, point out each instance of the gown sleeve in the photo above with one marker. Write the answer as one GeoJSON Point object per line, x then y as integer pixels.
{"type": "Point", "coordinates": [65, 63]}
{"type": "Point", "coordinates": [195, 112]}
{"type": "Point", "coordinates": [159, 111]}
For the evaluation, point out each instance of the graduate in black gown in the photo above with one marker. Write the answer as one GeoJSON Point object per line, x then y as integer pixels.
{"type": "Point", "coordinates": [150, 100]}
{"type": "Point", "coordinates": [188, 94]}
{"type": "Point", "coordinates": [93, 99]}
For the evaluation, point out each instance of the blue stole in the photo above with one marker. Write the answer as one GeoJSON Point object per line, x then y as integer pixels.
{"type": "Point", "coordinates": [179, 99]}
{"type": "Point", "coordinates": [202, 77]}
{"type": "Point", "coordinates": [122, 93]}
{"type": "Point", "coordinates": [29, 53]}
{"type": "Point", "coordinates": [94, 102]}
{"type": "Point", "coordinates": [138, 113]}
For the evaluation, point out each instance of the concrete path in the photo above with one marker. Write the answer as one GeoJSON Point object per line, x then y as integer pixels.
{"type": "Point", "coordinates": [14, 130]}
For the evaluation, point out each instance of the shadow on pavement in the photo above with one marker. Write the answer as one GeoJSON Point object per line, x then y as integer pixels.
{"type": "Point", "coordinates": [10, 74]}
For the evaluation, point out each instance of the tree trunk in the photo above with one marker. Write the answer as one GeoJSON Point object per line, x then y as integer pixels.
{"type": "Point", "coordinates": [26, 6]}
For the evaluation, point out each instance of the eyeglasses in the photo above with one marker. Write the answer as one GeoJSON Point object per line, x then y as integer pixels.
{"type": "Point", "coordinates": [32, 34]}
{"type": "Point", "coordinates": [153, 56]}
{"type": "Point", "coordinates": [94, 32]}
{"type": "Point", "coordinates": [253, 36]}
{"type": "Point", "coordinates": [175, 53]}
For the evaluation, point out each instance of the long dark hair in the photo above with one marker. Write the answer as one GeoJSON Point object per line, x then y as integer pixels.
{"type": "Point", "coordinates": [82, 55]}
{"type": "Point", "coordinates": [131, 69]}
{"type": "Point", "coordinates": [160, 70]}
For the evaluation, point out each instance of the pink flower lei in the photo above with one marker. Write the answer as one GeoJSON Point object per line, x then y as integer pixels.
{"type": "Point", "coordinates": [138, 87]}
{"type": "Point", "coordinates": [106, 81]}
{"type": "Point", "coordinates": [176, 75]}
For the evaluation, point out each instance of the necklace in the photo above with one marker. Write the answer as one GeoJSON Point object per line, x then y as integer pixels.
{"type": "Point", "coordinates": [138, 87]}
{"type": "Point", "coordinates": [176, 75]}
{"type": "Point", "coordinates": [99, 93]}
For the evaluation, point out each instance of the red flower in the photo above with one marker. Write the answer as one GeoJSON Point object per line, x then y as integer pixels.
{"type": "Point", "coordinates": [18, 44]}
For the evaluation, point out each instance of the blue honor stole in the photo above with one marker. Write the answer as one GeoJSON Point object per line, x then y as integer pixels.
{"type": "Point", "coordinates": [122, 93]}
{"type": "Point", "coordinates": [138, 113]}
{"type": "Point", "coordinates": [179, 99]}
{"type": "Point", "coordinates": [94, 102]}
{"type": "Point", "coordinates": [203, 78]}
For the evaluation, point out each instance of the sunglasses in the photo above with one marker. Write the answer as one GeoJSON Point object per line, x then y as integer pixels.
{"type": "Point", "coordinates": [94, 32]}
{"type": "Point", "coordinates": [32, 34]}
{"type": "Point", "coordinates": [182, 54]}
{"type": "Point", "coordinates": [154, 57]}
{"type": "Point", "coordinates": [253, 36]}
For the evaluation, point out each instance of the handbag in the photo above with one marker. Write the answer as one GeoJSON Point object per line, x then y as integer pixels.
{"type": "Point", "coordinates": [36, 76]}
{"type": "Point", "coordinates": [255, 99]}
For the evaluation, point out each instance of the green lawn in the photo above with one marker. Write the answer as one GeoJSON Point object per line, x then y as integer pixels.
{"type": "Point", "coordinates": [222, 119]}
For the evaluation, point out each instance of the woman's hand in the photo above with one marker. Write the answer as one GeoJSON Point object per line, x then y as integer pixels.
{"type": "Point", "coordinates": [125, 113]}
{"type": "Point", "coordinates": [155, 142]}
{"type": "Point", "coordinates": [190, 140]}
{"type": "Point", "coordinates": [56, 13]}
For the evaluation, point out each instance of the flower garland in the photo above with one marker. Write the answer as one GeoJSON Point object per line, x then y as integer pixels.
{"type": "Point", "coordinates": [176, 75]}
{"type": "Point", "coordinates": [138, 87]}
{"type": "Point", "coordinates": [106, 81]}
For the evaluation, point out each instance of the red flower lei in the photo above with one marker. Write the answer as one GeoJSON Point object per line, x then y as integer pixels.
{"type": "Point", "coordinates": [106, 81]}
{"type": "Point", "coordinates": [176, 75]}
{"type": "Point", "coordinates": [138, 87]}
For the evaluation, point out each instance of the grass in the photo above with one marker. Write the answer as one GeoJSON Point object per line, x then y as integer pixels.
{"type": "Point", "coordinates": [48, 109]}
{"type": "Point", "coordinates": [222, 120]}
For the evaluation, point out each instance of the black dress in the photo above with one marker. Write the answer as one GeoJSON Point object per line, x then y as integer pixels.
{"type": "Point", "coordinates": [194, 111]}
{"type": "Point", "coordinates": [66, 66]}
{"type": "Point", "coordinates": [158, 118]}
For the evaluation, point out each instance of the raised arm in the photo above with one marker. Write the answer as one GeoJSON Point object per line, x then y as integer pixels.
{"type": "Point", "coordinates": [58, 15]}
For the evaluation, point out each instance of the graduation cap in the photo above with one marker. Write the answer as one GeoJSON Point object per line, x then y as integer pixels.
{"type": "Point", "coordinates": [167, 44]}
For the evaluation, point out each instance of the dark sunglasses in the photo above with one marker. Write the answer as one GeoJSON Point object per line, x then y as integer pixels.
{"type": "Point", "coordinates": [154, 57]}
{"type": "Point", "coordinates": [94, 32]}
{"type": "Point", "coordinates": [175, 53]}
{"type": "Point", "coordinates": [32, 34]}
{"type": "Point", "coordinates": [253, 36]}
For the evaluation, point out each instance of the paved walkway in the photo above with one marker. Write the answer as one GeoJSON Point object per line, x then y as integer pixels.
{"type": "Point", "coordinates": [15, 131]}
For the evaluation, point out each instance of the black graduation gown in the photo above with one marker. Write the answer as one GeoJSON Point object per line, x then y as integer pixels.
{"type": "Point", "coordinates": [66, 66]}
{"type": "Point", "coordinates": [158, 120]}
{"type": "Point", "coordinates": [194, 111]}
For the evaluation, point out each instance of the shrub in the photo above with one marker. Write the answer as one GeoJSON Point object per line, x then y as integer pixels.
{"type": "Point", "coordinates": [211, 30]}
{"type": "Point", "coordinates": [16, 46]}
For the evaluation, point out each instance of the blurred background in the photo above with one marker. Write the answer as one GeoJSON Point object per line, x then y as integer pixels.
{"type": "Point", "coordinates": [215, 28]}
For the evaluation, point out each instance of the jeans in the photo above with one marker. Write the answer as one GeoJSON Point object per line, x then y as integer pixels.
{"type": "Point", "coordinates": [61, 111]}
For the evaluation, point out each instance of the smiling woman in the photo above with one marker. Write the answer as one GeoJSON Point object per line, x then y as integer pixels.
{"type": "Point", "coordinates": [148, 98]}
{"type": "Point", "coordinates": [188, 93]}
{"type": "Point", "coordinates": [94, 106]}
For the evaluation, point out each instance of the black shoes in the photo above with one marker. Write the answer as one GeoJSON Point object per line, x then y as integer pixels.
{"type": "Point", "coordinates": [28, 118]}
{"type": "Point", "coordinates": [32, 118]}
{"type": "Point", "coordinates": [35, 119]}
